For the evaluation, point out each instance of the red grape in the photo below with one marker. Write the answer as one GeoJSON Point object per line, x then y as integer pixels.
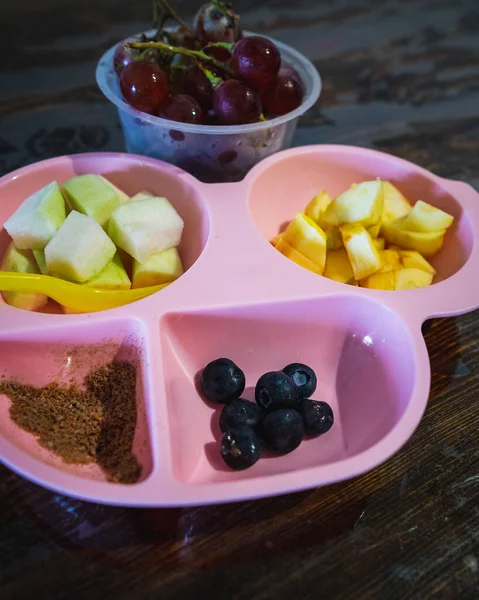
{"type": "Point", "coordinates": [211, 25]}
{"type": "Point", "coordinates": [182, 108]}
{"type": "Point", "coordinates": [196, 84]}
{"type": "Point", "coordinates": [256, 60]}
{"type": "Point", "coordinates": [144, 86]}
{"type": "Point", "coordinates": [218, 52]}
{"type": "Point", "coordinates": [122, 57]}
{"type": "Point", "coordinates": [235, 103]}
{"type": "Point", "coordinates": [284, 94]}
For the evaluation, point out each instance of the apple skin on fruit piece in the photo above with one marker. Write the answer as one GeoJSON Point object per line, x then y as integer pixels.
{"type": "Point", "coordinates": [412, 259]}
{"type": "Point", "coordinates": [296, 257]}
{"type": "Point", "coordinates": [426, 218]}
{"type": "Point", "coordinates": [338, 266]}
{"type": "Point", "coordinates": [161, 267]}
{"type": "Point", "coordinates": [21, 261]}
{"type": "Point", "coordinates": [317, 206]}
{"type": "Point", "coordinates": [380, 243]}
{"type": "Point", "coordinates": [396, 205]}
{"type": "Point", "coordinates": [79, 250]}
{"type": "Point", "coordinates": [39, 256]}
{"type": "Point", "coordinates": [93, 196]}
{"type": "Point", "coordinates": [37, 219]}
{"type": "Point", "coordinates": [305, 236]}
{"type": "Point", "coordinates": [361, 250]}
{"type": "Point", "coordinates": [409, 279]}
{"type": "Point", "coordinates": [380, 281]}
{"type": "Point", "coordinates": [427, 244]}
{"type": "Point", "coordinates": [145, 227]}
{"type": "Point", "coordinates": [361, 204]}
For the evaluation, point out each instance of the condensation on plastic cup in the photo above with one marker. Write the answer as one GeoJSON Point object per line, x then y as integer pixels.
{"type": "Point", "coordinates": [212, 153]}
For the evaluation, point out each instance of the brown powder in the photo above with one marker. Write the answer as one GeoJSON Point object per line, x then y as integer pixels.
{"type": "Point", "coordinates": [96, 424]}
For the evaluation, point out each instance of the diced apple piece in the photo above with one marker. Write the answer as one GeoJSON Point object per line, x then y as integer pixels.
{"type": "Point", "coordinates": [37, 219]}
{"type": "Point", "coordinates": [408, 279]}
{"type": "Point", "coordinates": [380, 281]}
{"type": "Point", "coordinates": [426, 218]}
{"type": "Point", "coordinates": [362, 204]}
{"type": "Point", "coordinates": [390, 261]}
{"type": "Point", "coordinates": [145, 227]}
{"type": "Point", "coordinates": [79, 250]}
{"type": "Point", "coordinates": [361, 250]}
{"type": "Point", "coordinates": [21, 261]}
{"type": "Point", "coordinates": [92, 195]}
{"type": "Point", "coordinates": [380, 243]}
{"type": "Point", "coordinates": [297, 257]}
{"type": "Point", "coordinates": [338, 266]}
{"type": "Point", "coordinates": [317, 206]}
{"type": "Point", "coordinates": [395, 204]}
{"type": "Point", "coordinates": [413, 260]}
{"type": "Point", "coordinates": [334, 239]}
{"type": "Point", "coordinates": [276, 239]}
{"type": "Point", "coordinates": [374, 230]}
{"type": "Point", "coordinates": [112, 277]}
{"type": "Point", "coordinates": [122, 197]}
{"type": "Point", "coordinates": [428, 244]}
{"type": "Point", "coordinates": [142, 196]}
{"type": "Point", "coordinates": [39, 256]}
{"type": "Point", "coordinates": [162, 267]}
{"type": "Point", "coordinates": [305, 236]}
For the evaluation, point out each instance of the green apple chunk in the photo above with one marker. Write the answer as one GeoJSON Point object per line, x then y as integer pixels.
{"type": "Point", "coordinates": [21, 261]}
{"type": "Point", "coordinates": [39, 256]}
{"type": "Point", "coordinates": [79, 250]}
{"type": "Point", "coordinates": [37, 219]}
{"type": "Point", "coordinates": [141, 196]}
{"type": "Point", "coordinates": [161, 267]}
{"type": "Point", "coordinates": [145, 227]}
{"type": "Point", "coordinates": [112, 277]}
{"type": "Point", "coordinates": [94, 196]}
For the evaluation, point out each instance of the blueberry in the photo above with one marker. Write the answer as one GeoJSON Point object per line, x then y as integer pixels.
{"type": "Point", "coordinates": [240, 413]}
{"type": "Point", "coordinates": [222, 381]}
{"type": "Point", "coordinates": [318, 416]}
{"type": "Point", "coordinates": [240, 448]}
{"type": "Point", "coordinates": [275, 389]}
{"type": "Point", "coordinates": [283, 430]}
{"type": "Point", "coordinates": [304, 378]}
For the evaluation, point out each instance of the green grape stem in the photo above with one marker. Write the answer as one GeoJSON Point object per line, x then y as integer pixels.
{"type": "Point", "coordinates": [196, 54]}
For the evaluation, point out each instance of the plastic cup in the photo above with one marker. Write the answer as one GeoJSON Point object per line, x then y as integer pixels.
{"type": "Point", "coordinates": [212, 153]}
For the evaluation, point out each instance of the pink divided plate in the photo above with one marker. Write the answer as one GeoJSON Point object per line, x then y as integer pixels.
{"type": "Point", "coordinates": [242, 299]}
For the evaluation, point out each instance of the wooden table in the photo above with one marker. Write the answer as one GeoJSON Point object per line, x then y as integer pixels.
{"type": "Point", "coordinates": [400, 76]}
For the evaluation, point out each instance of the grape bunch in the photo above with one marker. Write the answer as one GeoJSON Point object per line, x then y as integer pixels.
{"type": "Point", "coordinates": [206, 74]}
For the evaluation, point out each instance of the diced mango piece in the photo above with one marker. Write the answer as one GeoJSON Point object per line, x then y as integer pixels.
{"type": "Point", "coordinates": [297, 257]}
{"type": "Point", "coordinates": [334, 239]}
{"type": "Point", "coordinates": [338, 266]}
{"type": "Point", "coordinates": [411, 259]}
{"type": "Point", "coordinates": [426, 218]}
{"type": "Point", "coordinates": [362, 204]}
{"type": "Point", "coordinates": [305, 236]}
{"type": "Point", "coordinates": [162, 267]}
{"type": "Point", "coordinates": [361, 250]}
{"type": "Point", "coordinates": [380, 281]}
{"type": "Point", "coordinates": [395, 204]}
{"type": "Point", "coordinates": [408, 279]}
{"type": "Point", "coordinates": [317, 206]}
{"type": "Point", "coordinates": [390, 260]}
{"type": "Point", "coordinates": [380, 243]}
{"type": "Point", "coordinates": [428, 244]}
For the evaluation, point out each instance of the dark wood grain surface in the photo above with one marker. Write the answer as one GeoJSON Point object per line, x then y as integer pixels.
{"type": "Point", "coordinates": [401, 76]}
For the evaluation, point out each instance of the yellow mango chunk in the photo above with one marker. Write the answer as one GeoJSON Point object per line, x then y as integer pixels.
{"type": "Point", "coordinates": [395, 204]}
{"type": "Point", "coordinates": [338, 266]}
{"type": "Point", "coordinates": [408, 279]}
{"type": "Point", "coordinates": [426, 218]}
{"type": "Point", "coordinates": [390, 260]}
{"type": "Point", "coordinates": [380, 281]}
{"type": "Point", "coordinates": [297, 257]}
{"type": "Point", "coordinates": [380, 243]}
{"type": "Point", "coordinates": [428, 244]}
{"type": "Point", "coordinates": [411, 259]}
{"type": "Point", "coordinates": [362, 204]}
{"type": "Point", "coordinates": [317, 206]}
{"type": "Point", "coordinates": [361, 250]}
{"type": "Point", "coordinates": [305, 236]}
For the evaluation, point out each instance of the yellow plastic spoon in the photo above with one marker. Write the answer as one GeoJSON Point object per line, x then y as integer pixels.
{"type": "Point", "coordinates": [75, 296]}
